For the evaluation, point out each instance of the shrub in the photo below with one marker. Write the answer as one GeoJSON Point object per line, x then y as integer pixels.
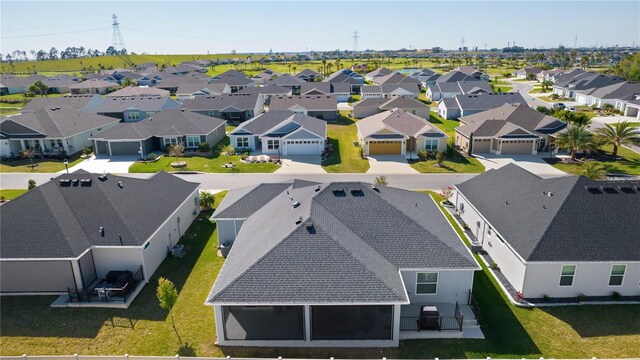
{"type": "Point", "coordinates": [440, 155]}
{"type": "Point", "coordinates": [546, 298]}
{"type": "Point", "coordinates": [244, 155]}
{"type": "Point", "coordinates": [87, 150]}
{"type": "Point", "coordinates": [152, 156]}
{"type": "Point", "coordinates": [554, 97]}
{"type": "Point", "coordinates": [494, 266]}
{"type": "Point", "coordinates": [204, 147]}
{"type": "Point", "coordinates": [582, 297]}
{"type": "Point", "coordinates": [615, 295]}
{"type": "Point", "coordinates": [423, 155]}
{"type": "Point", "coordinates": [31, 184]}
{"type": "Point", "coordinates": [381, 181]}
{"type": "Point", "coordinates": [62, 155]}
{"type": "Point", "coordinates": [451, 147]}
{"type": "Point", "coordinates": [3, 198]}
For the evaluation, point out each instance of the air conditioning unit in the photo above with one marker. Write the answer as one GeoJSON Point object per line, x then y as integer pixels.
{"type": "Point", "coordinates": [177, 251]}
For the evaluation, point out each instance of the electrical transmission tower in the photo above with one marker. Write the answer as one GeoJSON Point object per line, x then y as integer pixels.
{"type": "Point", "coordinates": [355, 41]}
{"type": "Point", "coordinates": [118, 43]}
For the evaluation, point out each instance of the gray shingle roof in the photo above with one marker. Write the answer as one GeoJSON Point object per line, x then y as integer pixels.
{"type": "Point", "coordinates": [574, 224]}
{"type": "Point", "coordinates": [259, 125]}
{"type": "Point", "coordinates": [352, 254]}
{"type": "Point", "coordinates": [517, 114]}
{"type": "Point", "coordinates": [286, 80]}
{"type": "Point", "coordinates": [400, 121]}
{"type": "Point", "coordinates": [54, 221]}
{"type": "Point", "coordinates": [142, 103]}
{"type": "Point", "coordinates": [309, 102]}
{"type": "Point", "coordinates": [239, 101]}
{"type": "Point", "coordinates": [486, 101]}
{"type": "Point", "coordinates": [139, 90]}
{"type": "Point", "coordinates": [77, 102]}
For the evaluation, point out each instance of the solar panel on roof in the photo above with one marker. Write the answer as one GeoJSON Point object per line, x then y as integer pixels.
{"type": "Point", "coordinates": [594, 190]}
{"type": "Point", "coordinates": [609, 190]}
{"type": "Point", "coordinates": [627, 190]}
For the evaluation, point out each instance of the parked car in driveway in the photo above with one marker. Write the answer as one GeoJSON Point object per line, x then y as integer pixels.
{"type": "Point", "coordinates": [571, 108]}
{"type": "Point", "coordinates": [559, 106]}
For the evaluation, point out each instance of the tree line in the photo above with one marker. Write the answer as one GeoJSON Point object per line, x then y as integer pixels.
{"type": "Point", "coordinates": [71, 52]}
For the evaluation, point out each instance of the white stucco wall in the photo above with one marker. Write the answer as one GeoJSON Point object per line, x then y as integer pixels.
{"type": "Point", "coordinates": [591, 279]}
{"type": "Point", "coordinates": [116, 258]}
{"type": "Point", "coordinates": [452, 286]}
{"type": "Point", "coordinates": [228, 230]}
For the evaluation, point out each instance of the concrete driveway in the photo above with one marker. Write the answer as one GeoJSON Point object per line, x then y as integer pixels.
{"type": "Point", "coordinates": [110, 164]}
{"type": "Point", "coordinates": [389, 164]}
{"type": "Point", "coordinates": [531, 163]}
{"type": "Point", "coordinates": [301, 164]}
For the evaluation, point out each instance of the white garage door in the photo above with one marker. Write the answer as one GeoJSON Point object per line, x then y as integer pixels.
{"type": "Point", "coordinates": [303, 147]}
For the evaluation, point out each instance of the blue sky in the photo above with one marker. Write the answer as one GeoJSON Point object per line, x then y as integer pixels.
{"type": "Point", "coordinates": [184, 27]}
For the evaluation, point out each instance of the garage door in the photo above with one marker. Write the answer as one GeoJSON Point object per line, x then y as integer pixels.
{"type": "Point", "coordinates": [125, 148]}
{"type": "Point", "coordinates": [481, 145]}
{"type": "Point", "coordinates": [516, 147]}
{"type": "Point", "coordinates": [303, 147]}
{"type": "Point", "coordinates": [385, 147]}
{"type": "Point", "coordinates": [102, 148]}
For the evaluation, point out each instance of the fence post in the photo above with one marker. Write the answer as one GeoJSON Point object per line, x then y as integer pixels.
{"type": "Point", "coordinates": [126, 356]}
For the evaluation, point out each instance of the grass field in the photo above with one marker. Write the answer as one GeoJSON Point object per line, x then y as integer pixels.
{"type": "Point", "coordinates": [454, 164]}
{"type": "Point", "coordinates": [10, 194]}
{"type": "Point", "coordinates": [447, 126]}
{"type": "Point", "coordinates": [43, 165]}
{"type": "Point", "coordinates": [630, 164]}
{"type": "Point", "coordinates": [30, 326]}
{"type": "Point", "coordinates": [345, 157]}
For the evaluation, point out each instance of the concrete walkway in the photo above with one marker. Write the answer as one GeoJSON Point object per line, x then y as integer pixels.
{"type": "Point", "coordinates": [301, 164]}
{"type": "Point", "coordinates": [531, 163]}
{"type": "Point", "coordinates": [389, 164]}
{"type": "Point", "coordinates": [100, 164]}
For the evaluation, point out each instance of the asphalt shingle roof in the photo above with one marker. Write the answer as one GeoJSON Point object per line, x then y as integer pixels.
{"type": "Point", "coordinates": [59, 123]}
{"type": "Point", "coordinates": [582, 219]}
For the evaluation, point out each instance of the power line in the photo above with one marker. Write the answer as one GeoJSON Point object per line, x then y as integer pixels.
{"type": "Point", "coordinates": [52, 34]}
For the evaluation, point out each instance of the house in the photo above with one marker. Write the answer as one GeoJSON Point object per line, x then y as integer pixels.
{"type": "Point", "coordinates": [390, 90]}
{"type": "Point", "coordinates": [309, 75]}
{"type": "Point", "coordinates": [548, 75]}
{"type": "Point", "coordinates": [150, 79]}
{"type": "Point", "coordinates": [350, 77]}
{"type": "Point", "coordinates": [265, 76]}
{"type": "Point", "coordinates": [565, 237]}
{"type": "Point", "coordinates": [372, 106]}
{"type": "Point", "coordinates": [361, 68]}
{"type": "Point", "coordinates": [508, 129]}
{"type": "Point", "coordinates": [395, 78]}
{"type": "Point", "coordinates": [444, 90]}
{"type": "Point", "coordinates": [614, 94]}
{"type": "Point", "coordinates": [632, 108]}
{"type": "Point", "coordinates": [235, 79]}
{"type": "Point", "coordinates": [191, 90]}
{"type": "Point", "coordinates": [60, 84]}
{"type": "Point", "coordinates": [465, 105]}
{"type": "Point", "coordinates": [158, 131]}
{"type": "Point", "coordinates": [310, 266]}
{"type": "Point", "coordinates": [321, 106]}
{"type": "Point", "coordinates": [11, 84]}
{"type": "Point", "coordinates": [267, 92]}
{"type": "Point", "coordinates": [72, 234]}
{"type": "Point", "coordinates": [49, 131]}
{"type": "Point", "coordinates": [86, 103]}
{"type": "Point", "coordinates": [135, 108]}
{"type": "Point", "coordinates": [580, 86]}
{"type": "Point", "coordinates": [472, 72]}
{"type": "Point", "coordinates": [527, 73]}
{"type": "Point", "coordinates": [288, 81]}
{"type": "Point", "coordinates": [398, 132]}
{"type": "Point", "coordinates": [425, 77]}
{"type": "Point", "coordinates": [281, 132]}
{"type": "Point", "coordinates": [234, 108]}
{"type": "Point", "coordinates": [139, 91]}
{"type": "Point", "coordinates": [173, 83]}
{"type": "Point", "coordinates": [455, 76]}
{"type": "Point", "coordinates": [93, 86]}
{"type": "Point", "coordinates": [342, 91]}
{"type": "Point", "coordinates": [379, 72]}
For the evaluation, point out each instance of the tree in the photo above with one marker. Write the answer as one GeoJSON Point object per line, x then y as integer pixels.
{"type": "Point", "coordinates": [380, 181]}
{"type": "Point", "coordinates": [629, 68]}
{"type": "Point", "coordinates": [593, 170]}
{"type": "Point", "coordinates": [31, 184]}
{"type": "Point", "coordinates": [127, 82]}
{"type": "Point", "coordinates": [546, 85]}
{"type": "Point", "coordinates": [167, 297]}
{"type": "Point", "coordinates": [176, 150]}
{"type": "Point", "coordinates": [575, 139]}
{"type": "Point", "coordinates": [618, 134]}
{"type": "Point", "coordinates": [28, 153]}
{"type": "Point", "coordinates": [440, 157]}
{"type": "Point", "coordinates": [39, 88]}
{"type": "Point", "coordinates": [207, 200]}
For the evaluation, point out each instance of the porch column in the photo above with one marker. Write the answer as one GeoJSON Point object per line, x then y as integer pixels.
{"type": "Point", "coordinates": [218, 316]}
{"type": "Point", "coordinates": [396, 324]}
{"type": "Point", "coordinates": [109, 144]}
{"type": "Point", "coordinates": [499, 148]}
{"type": "Point", "coordinates": [65, 146]}
{"type": "Point", "coordinates": [307, 323]}
{"type": "Point", "coordinates": [77, 274]}
{"type": "Point", "coordinates": [22, 146]}
{"type": "Point", "coordinates": [534, 148]}
{"type": "Point", "coordinates": [42, 147]}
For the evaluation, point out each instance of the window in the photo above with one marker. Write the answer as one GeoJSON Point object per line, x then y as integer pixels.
{"type": "Point", "coordinates": [426, 283]}
{"type": "Point", "coordinates": [170, 140]}
{"type": "Point", "coordinates": [431, 144]}
{"type": "Point", "coordinates": [242, 142]}
{"type": "Point", "coordinates": [193, 141]}
{"type": "Point", "coordinates": [213, 113]}
{"type": "Point", "coordinates": [149, 113]}
{"type": "Point", "coordinates": [273, 144]}
{"type": "Point", "coordinates": [132, 116]}
{"type": "Point", "coordinates": [617, 275]}
{"type": "Point", "coordinates": [567, 275]}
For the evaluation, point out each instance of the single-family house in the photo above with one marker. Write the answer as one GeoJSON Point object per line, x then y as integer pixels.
{"type": "Point", "coordinates": [548, 75]}
{"type": "Point", "coordinates": [50, 131]}
{"type": "Point", "coordinates": [395, 78]}
{"type": "Point", "coordinates": [309, 75]}
{"type": "Point", "coordinates": [632, 108]}
{"type": "Point", "coordinates": [425, 77]}
{"type": "Point", "coordinates": [93, 86]}
{"type": "Point", "coordinates": [12, 84]}
{"type": "Point", "coordinates": [139, 91]}
{"type": "Point", "coordinates": [399, 132]}
{"type": "Point", "coordinates": [267, 92]}
{"type": "Point", "coordinates": [235, 79]}
{"type": "Point", "coordinates": [473, 72]}
{"type": "Point", "coordinates": [191, 90]}
{"type": "Point", "coordinates": [281, 132]}
{"type": "Point", "coordinates": [265, 76]}
{"type": "Point", "coordinates": [288, 81]}
{"type": "Point", "coordinates": [310, 266]}
{"type": "Point", "coordinates": [390, 90]}
{"type": "Point", "coordinates": [86, 103]}
{"type": "Point", "coordinates": [350, 77]}
{"type": "Point", "coordinates": [158, 131]}
{"type": "Point", "coordinates": [465, 105]}
{"type": "Point", "coordinates": [342, 91]}
{"type": "Point", "coordinates": [379, 72]}
{"type": "Point", "coordinates": [581, 85]}
{"type": "Point", "coordinates": [527, 73]}
{"type": "Point", "coordinates": [565, 237]}
{"type": "Point", "coordinates": [444, 90]}
{"type": "Point", "coordinates": [455, 76]}
{"type": "Point", "coordinates": [96, 239]}
{"type": "Point", "coordinates": [234, 108]}
{"type": "Point", "coordinates": [135, 108]}
{"type": "Point", "coordinates": [372, 106]}
{"type": "Point", "coordinates": [615, 94]}
{"type": "Point", "coordinates": [508, 129]}
{"type": "Point", "coordinates": [323, 107]}
{"type": "Point", "coordinates": [60, 84]}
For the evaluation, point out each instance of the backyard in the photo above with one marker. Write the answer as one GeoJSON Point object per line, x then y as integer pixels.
{"type": "Point", "coordinates": [345, 157]}
{"type": "Point", "coordinates": [30, 326]}
{"type": "Point", "coordinates": [629, 163]}
{"type": "Point", "coordinates": [212, 163]}
{"type": "Point", "coordinates": [10, 194]}
{"type": "Point", "coordinates": [43, 165]}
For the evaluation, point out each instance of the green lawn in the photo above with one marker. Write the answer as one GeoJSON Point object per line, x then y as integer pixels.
{"type": "Point", "coordinates": [10, 194]}
{"type": "Point", "coordinates": [629, 165]}
{"type": "Point", "coordinates": [29, 325]}
{"type": "Point", "coordinates": [345, 157]}
{"type": "Point", "coordinates": [204, 163]}
{"type": "Point", "coordinates": [447, 126]}
{"type": "Point", "coordinates": [44, 165]}
{"type": "Point", "coordinates": [454, 164]}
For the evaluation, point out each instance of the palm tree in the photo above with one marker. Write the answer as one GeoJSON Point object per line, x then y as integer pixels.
{"type": "Point", "coordinates": [593, 170]}
{"type": "Point", "coordinates": [576, 138]}
{"type": "Point", "coordinates": [207, 200]}
{"type": "Point", "coordinates": [619, 134]}
{"type": "Point", "coordinates": [127, 82]}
